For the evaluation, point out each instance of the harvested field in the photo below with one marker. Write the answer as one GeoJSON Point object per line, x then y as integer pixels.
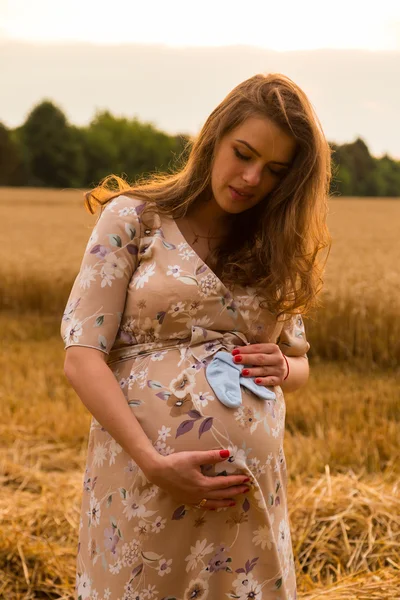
{"type": "Point", "coordinates": [342, 441]}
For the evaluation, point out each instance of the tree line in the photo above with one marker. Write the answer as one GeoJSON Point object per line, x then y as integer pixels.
{"type": "Point", "coordinates": [48, 151]}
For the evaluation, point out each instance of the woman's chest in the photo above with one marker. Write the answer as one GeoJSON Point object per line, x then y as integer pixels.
{"type": "Point", "coordinates": [173, 291]}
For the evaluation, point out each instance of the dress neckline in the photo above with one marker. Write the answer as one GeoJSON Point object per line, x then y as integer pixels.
{"type": "Point", "coordinates": [224, 288]}
{"type": "Point", "coordinates": [179, 232]}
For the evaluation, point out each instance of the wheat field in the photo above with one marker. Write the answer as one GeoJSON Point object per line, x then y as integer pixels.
{"type": "Point", "coordinates": [342, 441]}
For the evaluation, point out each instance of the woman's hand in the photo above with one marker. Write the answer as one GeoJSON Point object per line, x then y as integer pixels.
{"type": "Point", "coordinates": [180, 475]}
{"type": "Point", "coordinates": [264, 362]}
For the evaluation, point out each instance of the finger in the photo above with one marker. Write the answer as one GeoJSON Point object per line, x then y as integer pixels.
{"type": "Point", "coordinates": [218, 482]}
{"type": "Point", "coordinates": [254, 359]}
{"type": "Point", "coordinates": [227, 493]}
{"type": "Point", "coordinates": [268, 381]}
{"type": "Point", "coordinates": [224, 482]}
{"type": "Point", "coordinates": [210, 457]}
{"type": "Point", "coordinates": [257, 372]}
{"type": "Point", "coordinates": [216, 504]}
{"type": "Point", "coordinates": [264, 348]}
{"type": "Point", "coordinates": [222, 501]}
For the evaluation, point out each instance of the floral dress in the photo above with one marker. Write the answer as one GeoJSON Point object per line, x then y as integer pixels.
{"type": "Point", "coordinates": [147, 300]}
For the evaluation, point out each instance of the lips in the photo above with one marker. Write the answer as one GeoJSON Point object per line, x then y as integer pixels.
{"type": "Point", "coordinates": [242, 192]}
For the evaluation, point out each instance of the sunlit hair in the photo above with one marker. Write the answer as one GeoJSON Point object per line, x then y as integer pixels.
{"type": "Point", "coordinates": [273, 246]}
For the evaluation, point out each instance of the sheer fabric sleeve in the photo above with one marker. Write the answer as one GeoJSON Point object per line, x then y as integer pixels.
{"type": "Point", "coordinates": [96, 302]}
{"type": "Point", "coordinates": [292, 340]}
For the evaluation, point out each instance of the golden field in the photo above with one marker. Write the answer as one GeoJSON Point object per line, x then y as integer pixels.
{"type": "Point", "coordinates": [343, 429]}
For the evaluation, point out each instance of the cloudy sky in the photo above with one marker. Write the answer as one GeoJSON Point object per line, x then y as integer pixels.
{"type": "Point", "coordinates": [171, 62]}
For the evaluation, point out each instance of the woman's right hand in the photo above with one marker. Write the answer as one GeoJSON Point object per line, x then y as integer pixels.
{"type": "Point", "coordinates": [180, 475]}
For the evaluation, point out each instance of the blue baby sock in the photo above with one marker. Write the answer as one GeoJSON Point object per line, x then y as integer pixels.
{"type": "Point", "coordinates": [224, 376]}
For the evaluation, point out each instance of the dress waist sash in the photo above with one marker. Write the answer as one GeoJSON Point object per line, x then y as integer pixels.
{"type": "Point", "coordinates": [200, 344]}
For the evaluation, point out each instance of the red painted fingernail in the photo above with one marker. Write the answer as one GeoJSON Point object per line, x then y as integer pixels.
{"type": "Point", "coordinates": [238, 359]}
{"type": "Point", "coordinates": [224, 453]}
{"type": "Point", "coordinates": [232, 504]}
{"type": "Point", "coordinates": [236, 351]}
{"type": "Point", "coordinates": [247, 479]}
{"type": "Point", "coordinates": [245, 372]}
{"type": "Point", "coordinates": [258, 380]}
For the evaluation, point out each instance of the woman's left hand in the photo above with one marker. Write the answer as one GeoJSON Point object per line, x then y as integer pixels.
{"type": "Point", "coordinates": [264, 362]}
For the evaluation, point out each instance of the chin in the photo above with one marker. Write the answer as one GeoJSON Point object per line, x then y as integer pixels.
{"type": "Point", "coordinates": [230, 207]}
{"type": "Point", "coordinates": [236, 208]}
{"type": "Point", "coordinates": [231, 210]}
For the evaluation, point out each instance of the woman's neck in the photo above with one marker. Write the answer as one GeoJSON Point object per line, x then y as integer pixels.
{"type": "Point", "coordinates": [208, 219]}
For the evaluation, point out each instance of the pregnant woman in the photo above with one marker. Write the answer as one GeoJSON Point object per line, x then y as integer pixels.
{"type": "Point", "coordinates": [184, 493]}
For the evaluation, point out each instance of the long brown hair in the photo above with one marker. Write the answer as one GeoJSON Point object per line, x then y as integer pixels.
{"type": "Point", "coordinates": [274, 245]}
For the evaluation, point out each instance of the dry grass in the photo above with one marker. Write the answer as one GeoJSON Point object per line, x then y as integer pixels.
{"type": "Point", "coordinates": [345, 526]}
{"type": "Point", "coordinates": [343, 418]}
{"type": "Point", "coordinates": [343, 435]}
{"type": "Point", "coordinates": [45, 232]}
{"type": "Point", "coordinates": [359, 320]}
{"type": "Point", "coordinates": [345, 517]}
{"type": "Point", "coordinates": [346, 533]}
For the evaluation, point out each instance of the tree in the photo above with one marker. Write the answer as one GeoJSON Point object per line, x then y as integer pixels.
{"type": "Point", "coordinates": [125, 147]}
{"type": "Point", "coordinates": [360, 164]}
{"type": "Point", "coordinates": [47, 151]}
{"type": "Point", "coordinates": [9, 157]}
{"type": "Point", "coordinates": [388, 173]}
{"type": "Point", "coordinates": [54, 149]}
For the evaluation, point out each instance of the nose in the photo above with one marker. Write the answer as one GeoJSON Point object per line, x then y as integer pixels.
{"type": "Point", "coordinates": [252, 176]}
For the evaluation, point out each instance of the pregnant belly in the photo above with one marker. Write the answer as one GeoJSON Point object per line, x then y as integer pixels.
{"type": "Point", "coordinates": [179, 411]}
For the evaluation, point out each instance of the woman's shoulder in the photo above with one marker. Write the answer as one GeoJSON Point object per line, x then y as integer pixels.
{"type": "Point", "coordinates": [143, 210]}
{"type": "Point", "coordinates": [134, 204]}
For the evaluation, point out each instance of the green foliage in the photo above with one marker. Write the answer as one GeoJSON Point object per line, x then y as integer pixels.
{"type": "Point", "coordinates": [388, 177]}
{"type": "Point", "coordinates": [53, 147]}
{"type": "Point", "coordinates": [357, 173]}
{"type": "Point", "coordinates": [125, 146]}
{"type": "Point", "coordinates": [47, 151]}
{"type": "Point", "coordinates": [9, 158]}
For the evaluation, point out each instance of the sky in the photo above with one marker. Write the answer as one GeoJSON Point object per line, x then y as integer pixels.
{"type": "Point", "coordinates": [345, 55]}
{"type": "Point", "coordinates": [281, 26]}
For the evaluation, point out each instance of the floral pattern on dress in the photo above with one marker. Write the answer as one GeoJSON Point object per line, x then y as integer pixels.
{"type": "Point", "coordinates": [145, 299]}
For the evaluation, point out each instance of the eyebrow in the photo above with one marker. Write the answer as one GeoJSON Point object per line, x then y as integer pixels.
{"type": "Point", "coordinates": [275, 162]}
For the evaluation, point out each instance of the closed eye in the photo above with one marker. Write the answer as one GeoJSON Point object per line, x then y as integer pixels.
{"type": "Point", "coordinates": [280, 174]}
{"type": "Point", "coordinates": [246, 158]}
{"type": "Point", "coordinates": [241, 156]}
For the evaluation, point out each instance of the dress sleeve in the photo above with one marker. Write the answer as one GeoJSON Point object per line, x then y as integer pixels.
{"type": "Point", "coordinates": [292, 340]}
{"type": "Point", "coordinates": [96, 302]}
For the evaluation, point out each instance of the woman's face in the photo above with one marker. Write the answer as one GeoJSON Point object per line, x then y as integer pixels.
{"type": "Point", "coordinates": [251, 159]}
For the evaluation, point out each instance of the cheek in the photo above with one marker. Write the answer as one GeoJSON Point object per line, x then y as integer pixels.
{"type": "Point", "coordinates": [268, 184]}
{"type": "Point", "coordinates": [266, 188]}
{"type": "Point", "coordinates": [224, 172]}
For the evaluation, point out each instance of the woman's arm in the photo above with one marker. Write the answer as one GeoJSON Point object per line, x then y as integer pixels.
{"type": "Point", "coordinates": [96, 386]}
{"type": "Point", "coordinates": [91, 323]}
{"type": "Point", "coordinates": [299, 372]}
{"type": "Point", "coordinates": [294, 345]}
